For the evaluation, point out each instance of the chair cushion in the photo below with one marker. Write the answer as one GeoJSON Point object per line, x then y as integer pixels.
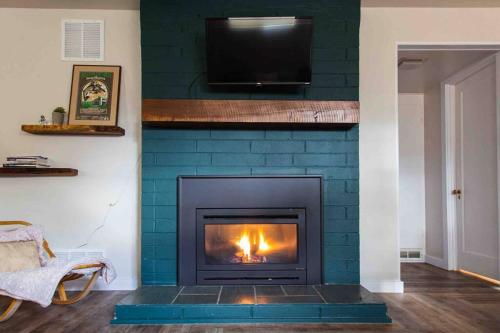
{"type": "Point", "coordinates": [18, 256]}
{"type": "Point", "coordinates": [21, 234]}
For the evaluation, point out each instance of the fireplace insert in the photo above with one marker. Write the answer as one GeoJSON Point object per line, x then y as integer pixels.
{"type": "Point", "coordinates": [249, 230]}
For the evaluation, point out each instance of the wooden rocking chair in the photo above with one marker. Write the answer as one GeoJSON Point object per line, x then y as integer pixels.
{"type": "Point", "coordinates": [63, 297]}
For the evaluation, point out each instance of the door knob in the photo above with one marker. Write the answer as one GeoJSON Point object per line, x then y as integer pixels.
{"type": "Point", "coordinates": [457, 192]}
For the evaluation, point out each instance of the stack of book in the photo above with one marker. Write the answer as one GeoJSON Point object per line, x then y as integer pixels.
{"type": "Point", "coordinates": [26, 162]}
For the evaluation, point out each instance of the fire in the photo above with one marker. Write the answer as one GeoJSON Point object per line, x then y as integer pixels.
{"type": "Point", "coordinates": [263, 245]}
{"type": "Point", "coordinates": [253, 251]}
{"type": "Point", "coordinates": [250, 243]}
{"type": "Point", "coordinates": [244, 244]}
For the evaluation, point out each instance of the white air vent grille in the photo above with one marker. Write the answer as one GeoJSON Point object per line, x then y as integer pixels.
{"type": "Point", "coordinates": [72, 254]}
{"type": "Point", "coordinates": [82, 40]}
{"type": "Point", "coordinates": [411, 255]}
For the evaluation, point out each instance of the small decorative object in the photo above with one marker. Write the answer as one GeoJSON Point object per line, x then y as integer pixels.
{"type": "Point", "coordinates": [58, 116]}
{"type": "Point", "coordinates": [95, 91]}
{"type": "Point", "coordinates": [43, 120]}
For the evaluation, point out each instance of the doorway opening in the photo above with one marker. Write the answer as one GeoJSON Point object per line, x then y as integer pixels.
{"type": "Point", "coordinates": [449, 132]}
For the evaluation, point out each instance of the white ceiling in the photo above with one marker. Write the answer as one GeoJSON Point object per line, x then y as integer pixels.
{"type": "Point", "coordinates": [430, 3]}
{"type": "Point", "coordinates": [134, 4]}
{"type": "Point", "coordinates": [72, 4]}
{"type": "Point", "coordinates": [438, 66]}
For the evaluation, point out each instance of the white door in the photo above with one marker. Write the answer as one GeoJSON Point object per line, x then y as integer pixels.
{"type": "Point", "coordinates": [476, 191]}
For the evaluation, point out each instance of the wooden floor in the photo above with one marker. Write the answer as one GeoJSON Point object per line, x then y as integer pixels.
{"type": "Point", "coordinates": [435, 301]}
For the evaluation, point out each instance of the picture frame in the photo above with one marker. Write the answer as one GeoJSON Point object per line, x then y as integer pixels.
{"type": "Point", "coordinates": [95, 95]}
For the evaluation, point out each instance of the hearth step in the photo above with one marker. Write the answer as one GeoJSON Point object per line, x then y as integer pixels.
{"type": "Point", "coordinates": [251, 304]}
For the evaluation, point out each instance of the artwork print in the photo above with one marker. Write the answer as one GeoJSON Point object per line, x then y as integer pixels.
{"type": "Point", "coordinates": [94, 95]}
{"type": "Point", "coordinates": [96, 92]}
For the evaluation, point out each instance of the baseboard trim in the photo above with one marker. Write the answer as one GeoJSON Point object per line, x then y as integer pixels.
{"type": "Point", "coordinates": [117, 284]}
{"type": "Point", "coordinates": [434, 261]}
{"type": "Point", "coordinates": [480, 277]}
{"type": "Point", "coordinates": [409, 261]}
{"type": "Point", "coordinates": [384, 286]}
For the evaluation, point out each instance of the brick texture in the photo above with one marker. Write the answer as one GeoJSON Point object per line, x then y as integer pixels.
{"type": "Point", "coordinates": [173, 48]}
{"type": "Point", "coordinates": [174, 66]}
{"type": "Point", "coordinates": [250, 153]}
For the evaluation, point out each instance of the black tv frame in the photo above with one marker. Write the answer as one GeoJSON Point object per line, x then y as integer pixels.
{"type": "Point", "coordinates": [262, 83]}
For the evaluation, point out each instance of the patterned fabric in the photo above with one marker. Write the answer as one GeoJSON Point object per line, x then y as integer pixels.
{"type": "Point", "coordinates": [39, 285]}
{"type": "Point", "coordinates": [34, 232]}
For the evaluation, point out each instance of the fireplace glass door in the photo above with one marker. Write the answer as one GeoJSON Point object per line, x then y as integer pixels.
{"type": "Point", "coordinates": [251, 243]}
{"type": "Point", "coordinates": [233, 242]}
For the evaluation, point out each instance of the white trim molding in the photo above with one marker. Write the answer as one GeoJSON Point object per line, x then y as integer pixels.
{"type": "Point", "coordinates": [449, 124]}
{"type": "Point", "coordinates": [434, 261]}
{"type": "Point", "coordinates": [384, 286]}
{"type": "Point", "coordinates": [448, 47]}
{"type": "Point", "coordinates": [117, 284]}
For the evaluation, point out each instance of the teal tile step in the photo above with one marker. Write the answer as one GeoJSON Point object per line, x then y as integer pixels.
{"type": "Point", "coordinates": [251, 304]}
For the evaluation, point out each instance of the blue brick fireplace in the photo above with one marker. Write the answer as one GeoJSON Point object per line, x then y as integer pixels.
{"type": "Point", "coordinates": [173, 67]}
{"type": "Point", "coordinates": [168, 154]}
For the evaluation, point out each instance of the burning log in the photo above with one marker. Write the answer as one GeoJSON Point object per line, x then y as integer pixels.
{"type": "Point", "coordinates": [252, 259]}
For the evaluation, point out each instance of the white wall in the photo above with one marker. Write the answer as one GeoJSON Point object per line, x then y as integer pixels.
{"type": "Point", "coordinates": [411, 172]}
{"type": "Point", "coordinates": [33, 80]}
{"type": "Point", "coordinates": [381, 30]}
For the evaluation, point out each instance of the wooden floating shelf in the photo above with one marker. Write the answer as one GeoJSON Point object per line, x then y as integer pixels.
{"type": "Point", "coordinates": [38, 172]}
{"type": "Point", "coordinates": [249, 113]}
{"type": "Point", "coordinates": [74, 130]}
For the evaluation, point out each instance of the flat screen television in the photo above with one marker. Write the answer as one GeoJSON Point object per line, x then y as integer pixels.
{"type": "Point", "coordinates": [259, 50]}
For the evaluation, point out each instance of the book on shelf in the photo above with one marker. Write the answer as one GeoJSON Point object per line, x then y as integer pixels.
{"type": "Point", "coordinates": [18, 165]}
{"type": "Point", "coordinates": [27, 158]}
{"type": "Point", "coordinates": [26, 162]}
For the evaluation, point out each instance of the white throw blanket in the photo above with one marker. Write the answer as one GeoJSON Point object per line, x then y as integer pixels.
{"type": "Point", "coordinates": [39, 285]}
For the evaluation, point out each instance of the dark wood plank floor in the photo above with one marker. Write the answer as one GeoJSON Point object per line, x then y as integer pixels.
{"type": "Point", "coordinates": [435, 301]}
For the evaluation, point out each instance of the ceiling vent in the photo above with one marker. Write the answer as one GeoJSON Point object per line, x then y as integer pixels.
{"type": "Point", "coordinates": [82, 40]}
{"type": "Point", "coordinates": [409, 64]}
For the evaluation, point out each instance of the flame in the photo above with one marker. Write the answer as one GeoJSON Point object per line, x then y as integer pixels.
{"type": "Point", "coordinates": [263, 245]}
{"type": "Point", "coordinates": [244, 244]}
{"type": "Point", "coordinates": [251, 243]}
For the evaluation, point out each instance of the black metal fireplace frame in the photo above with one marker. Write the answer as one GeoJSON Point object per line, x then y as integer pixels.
{"type": "Point", "coordinates": [249, 196]}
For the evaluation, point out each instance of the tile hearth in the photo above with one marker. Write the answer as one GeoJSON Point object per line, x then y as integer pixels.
{"type": "Point", "coordinates": [251, 303]}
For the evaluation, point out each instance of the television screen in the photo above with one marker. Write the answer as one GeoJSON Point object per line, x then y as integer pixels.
{"type": "Point", "coordinates": [259, 50]}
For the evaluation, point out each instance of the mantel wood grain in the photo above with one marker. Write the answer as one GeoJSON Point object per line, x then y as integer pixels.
{"type": "Point", "coordinates": [172, 112]}
{"type": "Point", "coordinates": [74, 130]}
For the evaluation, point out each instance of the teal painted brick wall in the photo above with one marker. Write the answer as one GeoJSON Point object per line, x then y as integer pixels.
{"type": "Point", "coordinates": [170, 153]}
{"type": "Point", "coordinates": [173, 66]}
{"type": "Point", "coordinates": [173, 48]}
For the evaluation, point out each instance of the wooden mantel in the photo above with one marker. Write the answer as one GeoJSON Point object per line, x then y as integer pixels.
{"type": "Point", "coordinates": [249, 113]}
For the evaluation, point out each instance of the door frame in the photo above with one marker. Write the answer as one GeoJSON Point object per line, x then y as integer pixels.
{"type": "Point", "coordinates": [448, 113]}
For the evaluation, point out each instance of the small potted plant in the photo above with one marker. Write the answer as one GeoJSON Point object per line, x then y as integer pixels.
{"type": "Point", "coordinates": [58, 115]}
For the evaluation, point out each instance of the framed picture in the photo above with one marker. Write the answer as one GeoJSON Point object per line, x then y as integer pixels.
{"type": "Point", "coordinates": [95, 92]}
